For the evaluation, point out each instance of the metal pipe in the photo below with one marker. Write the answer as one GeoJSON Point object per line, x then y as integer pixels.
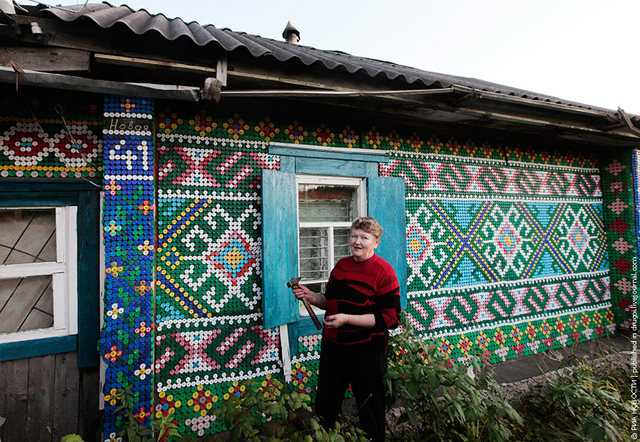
{"type": "Point", "coordinates": [536, 103]}
{"type": "Point", "coordinates": [353, 93]}
{"type": "Point", "coordinates": [538, 122]}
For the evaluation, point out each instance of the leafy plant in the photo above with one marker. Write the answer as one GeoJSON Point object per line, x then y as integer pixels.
{"type": "Point", "coordinates": [578, 405]}
{"type": "Point", "coordinates": [274, 413]}
{"type": "Point", "coordinates": [161, 430]}
{"type": "Point", "coordinates": [71, 438]}
{"type": "Point", "coordinates": [444, 401]}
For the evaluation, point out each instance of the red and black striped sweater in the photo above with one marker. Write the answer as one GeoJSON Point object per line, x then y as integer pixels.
{"type": "Point", "coordinates": [358, 288]}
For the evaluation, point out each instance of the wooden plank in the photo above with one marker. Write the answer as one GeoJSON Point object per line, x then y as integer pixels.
{"type": "Point", "coordinates": [279, 247]}
{"type": "Point", "coordinates": [66, 390]}
{"type": "Point", "coordinates": [331, 167]}
{"type": "Point", "coordinates": [88, 279]}
{"type": "Point", "coordinates": [41, 226]}
{"type": "Point", "coordinates": [329, 153]}
{"type": "Point", "coordinates": [387, 205]}
{"type": "Point", "coordinates": [46, 59]}
{"type": "Point", "coordinates": [38, 185]}
{"type": "Point", "coordinates": [7, 287]}
{"type": "Point", "coordinates": [90, 416]}
{"type": "Point", "coordinates": [51, 80]}
{"type": "Point", "coordinates": [42, 198]}
{"type": "Point", "coordinates": [13, 384]}
{"type": "Point", "coordinates": [37, 319]}
{"type": "Point", "coordinates": [40, 399]}
{"type": "Point", "coordinates": [37, 347]}
{"type": "Point", "coordinates": [146, 63]}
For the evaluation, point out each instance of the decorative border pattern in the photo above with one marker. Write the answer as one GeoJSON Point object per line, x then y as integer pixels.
{"type": "Point", "coordinates": [619, 219]}
{"type": "Point", "coordinates": [50, 139]}
{"type": "Point", "coordinates": [129, 205]}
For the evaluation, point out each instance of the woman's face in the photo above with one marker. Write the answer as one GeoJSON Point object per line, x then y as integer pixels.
{"type": "Point", "coordinates": [363, 244]}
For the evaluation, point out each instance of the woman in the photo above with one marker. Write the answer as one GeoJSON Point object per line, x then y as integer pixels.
{"type": "Point", "coordinates": [362, 303]}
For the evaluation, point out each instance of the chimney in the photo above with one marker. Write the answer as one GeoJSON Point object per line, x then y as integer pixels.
{"type": "Point", "coordinates": [290, 34]}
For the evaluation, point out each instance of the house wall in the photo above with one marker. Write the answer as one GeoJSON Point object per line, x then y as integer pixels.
{"type": "Point", "coordinates": [45, 397]}
{"type": "Point", "coordinates": [507, 249]}
{"type": "Point", "coordinates": [619, 183]}
{"type": "Point", "coordinates": [189, 346]}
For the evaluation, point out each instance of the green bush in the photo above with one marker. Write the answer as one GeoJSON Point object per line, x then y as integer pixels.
{"type": "Point", "coordinates": [443, 401]}
{"type": "Point", "coordinates": [273, 413]}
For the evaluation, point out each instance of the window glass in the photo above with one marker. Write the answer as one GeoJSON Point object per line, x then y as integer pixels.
{"type": "Point", "coordinates": [27, 235]}
{"type": "Point", "coordinates": [326, 203]}
{"type": "Point", "coordinates": [314, 253]}
{"type": "Point", "coordinates": [37, 265]}
{"type": "Point", "coordinates": [341, 243]}
{"type": "Point", "coordinates": [325, 213]}
{"type": "Point", "coordinates": [26, 304]}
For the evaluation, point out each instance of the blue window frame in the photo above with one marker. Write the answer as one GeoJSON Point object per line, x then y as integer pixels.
{"type": "Point", "coordinates": [85, 197]}
{"type": "Point", "coordinates": [385, 202]}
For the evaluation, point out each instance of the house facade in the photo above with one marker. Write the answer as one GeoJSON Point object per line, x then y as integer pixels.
{"type": "Point", "coordinates": [170, 223]}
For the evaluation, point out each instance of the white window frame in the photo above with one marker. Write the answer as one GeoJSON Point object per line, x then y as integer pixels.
{"type": "Point", "coordinates": [64, 273]}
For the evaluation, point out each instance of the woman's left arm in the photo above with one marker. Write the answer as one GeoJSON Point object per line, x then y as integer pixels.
{"type": "Point", "coordinates": [340, 319]}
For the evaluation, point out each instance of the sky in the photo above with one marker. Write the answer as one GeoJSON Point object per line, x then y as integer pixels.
{"type": "Point", "coordinates": [576, 50]}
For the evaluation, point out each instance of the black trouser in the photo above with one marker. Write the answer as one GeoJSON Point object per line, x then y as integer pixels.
{"type": "Point", "coordinates": [363, 369]}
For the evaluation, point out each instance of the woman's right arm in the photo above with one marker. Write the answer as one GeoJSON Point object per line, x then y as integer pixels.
{"type": "Point", "coordinates": [314, 298]}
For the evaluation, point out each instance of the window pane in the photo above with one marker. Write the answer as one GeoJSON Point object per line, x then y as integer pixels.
{"type": "Point", "coordinates": [27, 235]}
{"type": "Point", "coordinates": [341, 247]}
{"type": "Point", "coordinates": [314, 253]}
{"type": "Point", "coordinates": [326, 203]}
{"type": "Point", "coordinates": [26, 304]}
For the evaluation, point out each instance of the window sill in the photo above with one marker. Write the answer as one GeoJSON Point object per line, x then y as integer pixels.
{"type": "Point", "coordinates": [38, 347]}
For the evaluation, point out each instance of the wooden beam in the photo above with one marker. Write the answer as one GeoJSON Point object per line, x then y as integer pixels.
{"type": "Point", "coordinates": [46, 59]}
{"type": "Point", "coordinates": [145, 63]}
{"type": "Point", "coordinates": [14, 378]}
{"type": "Point", "coordinates": [66, 392]}
{"type": "Point", "coordinates": [284, 80]}
{"type": "Point", "coordinates": [68, 82]}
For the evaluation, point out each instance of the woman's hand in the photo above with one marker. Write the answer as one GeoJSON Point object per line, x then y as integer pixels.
{"type": "Point", "coordinates": [314, 298]}
{"type": "Point", "coordinates": [336, 321]}
{"type": "Point", "coordinates": [302, 292]}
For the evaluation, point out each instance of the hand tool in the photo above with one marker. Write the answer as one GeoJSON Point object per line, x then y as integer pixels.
{"type": "Point", "coordinates": [294, 282]}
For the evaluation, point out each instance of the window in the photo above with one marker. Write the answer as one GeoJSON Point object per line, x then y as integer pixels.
{"type": "Point", "coordinates": [326, 208]}
{"type": "Point", "coordinates": [37, 272]}
{"type": "Point", "coordinates": [306, 207]}
{"type": "Point", "coordinates": [49, 269]}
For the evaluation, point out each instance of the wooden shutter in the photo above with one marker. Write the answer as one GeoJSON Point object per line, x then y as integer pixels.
{"type": "Point", "coordinates": [279, 247]}
{"type": "Point", "coordinates": [386, 203]}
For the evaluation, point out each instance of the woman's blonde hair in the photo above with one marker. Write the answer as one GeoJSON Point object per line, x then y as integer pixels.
{"type": "Point", "coordinates": [367, 224]}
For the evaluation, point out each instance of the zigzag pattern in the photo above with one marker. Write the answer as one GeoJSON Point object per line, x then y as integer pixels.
{"type": "Point", "coordinates": [534, 300]}
{"type": "Point", "coordinates": [478, 179]}
{"type": "Point", "coordinates": [212, 167]}
{"type": "Point", "coordinates": [207, 349]}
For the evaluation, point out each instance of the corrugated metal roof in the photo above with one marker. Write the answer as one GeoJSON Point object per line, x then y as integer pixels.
{"type": "Point", "coordinates": [141, 22]}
